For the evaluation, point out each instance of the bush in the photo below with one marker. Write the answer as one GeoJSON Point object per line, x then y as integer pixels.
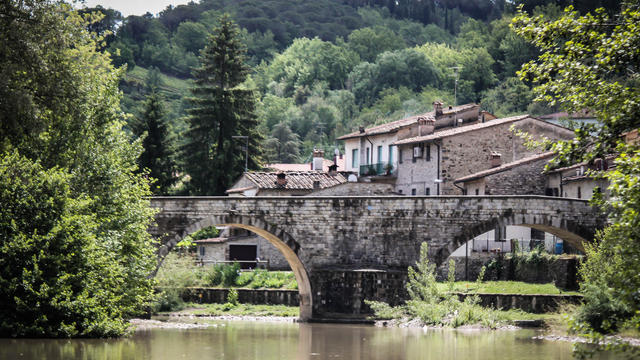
{"type": "Point", "coordinates": [433, 305]}
{"type": "Point", "coordinates": [223, 274]}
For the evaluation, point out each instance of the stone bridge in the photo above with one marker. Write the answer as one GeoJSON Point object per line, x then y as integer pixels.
{"type": "Point", "coordinates": [345, 249]}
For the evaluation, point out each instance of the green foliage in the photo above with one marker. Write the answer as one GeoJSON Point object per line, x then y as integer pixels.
{"type": "Point", "coordinates": [221, 108]}
{"type": "Point", "coordinates": [502, 287]}
{"type": "Point", "coordinates": [232, 297]}
{"type": "Point", "coordinates": [451, 275]}
{"type": "Point", "coordinates": [434, 306]}
{"type": "Point", "coordinates": [79, 237]}
{"type": "Point", "coordinates": [156, 161]}
{"type": "Point", "coordinates": [223, 274]}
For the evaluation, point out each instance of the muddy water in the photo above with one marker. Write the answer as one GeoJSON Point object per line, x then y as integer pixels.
{"type": "Point", "coordinates": [263, 340]}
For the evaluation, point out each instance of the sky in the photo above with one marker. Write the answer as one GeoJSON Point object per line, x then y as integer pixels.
{"type": "Point", "coordinates": [135, 7]}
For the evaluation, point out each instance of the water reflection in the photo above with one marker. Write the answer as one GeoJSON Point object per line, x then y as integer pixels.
{"type": "Point", "coordinates": [256, 340]}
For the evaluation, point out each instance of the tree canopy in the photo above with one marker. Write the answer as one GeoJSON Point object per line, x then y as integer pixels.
{"type": "Point", "coordinates": [591, 61]}
{"type": "Point", "coordinates": [74, 250]}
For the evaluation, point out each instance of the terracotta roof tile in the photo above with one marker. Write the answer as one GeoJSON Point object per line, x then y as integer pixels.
{"type": "Point", "coordinates": [296, 180]}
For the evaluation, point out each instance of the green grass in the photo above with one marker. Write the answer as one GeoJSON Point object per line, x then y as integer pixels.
{"type": "Point", "coordinates": [170, 84]}
{"type": "Point", "coordinates": [504, 287]}
{"type": "Point", "coordinates": [241, 310]}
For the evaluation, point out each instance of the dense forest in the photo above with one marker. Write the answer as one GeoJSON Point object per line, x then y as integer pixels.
{"type": "Point", "coordinates": [323, 68]}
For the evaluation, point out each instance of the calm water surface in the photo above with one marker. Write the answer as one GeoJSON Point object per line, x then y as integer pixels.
{"type": "Point", "coordinates": [261, 340]}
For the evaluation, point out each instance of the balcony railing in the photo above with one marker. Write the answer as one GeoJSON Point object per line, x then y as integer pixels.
{"type": "Point", "coordinates": [377, 169]}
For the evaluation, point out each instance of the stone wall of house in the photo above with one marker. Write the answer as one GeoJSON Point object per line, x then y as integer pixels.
{"type": "Point", "coordinates": [468, 153]}
{"type": "Point", "coordinates": [526, 179]}
{"type": "Point", "coordinates": [418, 173]}
{"type": "Point", "coordinates": [359, 188]}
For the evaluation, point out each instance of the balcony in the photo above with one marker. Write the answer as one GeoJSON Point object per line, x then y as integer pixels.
{"type": "Point", "coordinates": [377, 169]}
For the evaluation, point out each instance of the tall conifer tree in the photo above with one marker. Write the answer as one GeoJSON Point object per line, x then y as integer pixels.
{"type": "Point", "coordinates": [157, 156]}
{"type": "Point", "coordinates": [220, 109]}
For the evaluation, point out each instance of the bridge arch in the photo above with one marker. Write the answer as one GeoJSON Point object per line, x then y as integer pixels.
{"type": "Point", "coordinates": [277, 237]}
{"type": "Point", "coordinates": [572, 233]}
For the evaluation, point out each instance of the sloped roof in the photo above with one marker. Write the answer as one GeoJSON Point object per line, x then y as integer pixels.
{"type": "Point", "coordinates": [306, 166]}
{"type": "Point", "coordinates": [296, 180]}
{"type": "Point", "coordinates": [460, 130]}
{"type": "Point", "coordinates": [505, 167]}
{"type": "Point", "coordinates": [397, 125]}
{"type": "Point", "coordinates": [211, 240]}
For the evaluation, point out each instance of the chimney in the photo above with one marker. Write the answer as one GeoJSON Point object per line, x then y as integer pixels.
{"type": "Point", "coordinates": [333, 170]}
{"type": "Point", "coordinates": [437, 108]}
{"type": "Point", "coordinates": [316, 184]}
{"type": "Point", "coordinates": [426, 125]}
{"type": "Point", "coordinates": [281, 180]}
{"type": "Point", "coordinates": [361, 129]}
{"type": "Point", "coordinates": [318, 159]}
{"type": "Point", "coordinates": [496, 159]}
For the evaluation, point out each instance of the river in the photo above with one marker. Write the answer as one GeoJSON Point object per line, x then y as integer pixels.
{"type": "Point", "coordinates": [272, 340]}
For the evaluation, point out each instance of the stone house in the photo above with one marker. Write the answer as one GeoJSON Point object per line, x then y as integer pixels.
{"type": "Point", "coordinates": [250, 250]}
{"type": "Point", "coordinates": [521, 177]}
{"type": "Point", "coordinates": [430, 163]}
{"type": "Point", "coordinates": [575, 181]}
{"type": "Point", "coordinates": [371, 151]}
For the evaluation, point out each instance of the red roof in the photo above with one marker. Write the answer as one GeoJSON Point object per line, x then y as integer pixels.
{"type": "Point", "coordinates": [296, 180]}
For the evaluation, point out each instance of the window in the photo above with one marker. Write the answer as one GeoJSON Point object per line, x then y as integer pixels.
{"type": "Point", "coordinates": [428, 151]}
{"type": "Point", "coordinates": [399, 156]}
{"type": "Point", "coordinates": [477, 191]}
{"type": "Point", "coordinates": [427, 191]}
{"type": "Point", "coordinates": [366, 160]}
{"type": "Point", "coordinates": [579, 193]}
{"type": "Point", "coordinates": [390, 160]}
{"type": "Point", "coordinates": [202, 251]}
{"type": "Point", "coordinates": [400, 191]}
{"type": "Point", "coordinates": [413, 191]}
{"type": "Point", "coordinates": [379, 154]}
{"type": "Point", "coordinates": [354, 158]}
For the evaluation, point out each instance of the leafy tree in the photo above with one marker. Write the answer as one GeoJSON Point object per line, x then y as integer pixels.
{"type": "Point", "coordinates": [74, 250]}
{"type": "Point", "coordinates": [510, 97]}
{"type": "Point", "coordinates": [191, 36]}
{"type": "Point", "coordinates": [593, 62]}
{"type": "Point", "coordinates": [157, 156]}
{"type": "Point", "coordinates": [369, 42]}
{"type": "Point", "coordinates": [221, 108]}
{"type": "Point", "coordinates": [308, 61]}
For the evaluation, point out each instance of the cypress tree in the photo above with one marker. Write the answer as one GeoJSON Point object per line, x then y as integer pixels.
{"type": "Point", "coordinates": [220, 109]}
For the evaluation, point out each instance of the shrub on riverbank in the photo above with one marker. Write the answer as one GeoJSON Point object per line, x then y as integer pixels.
{"type": "Point", "coordinates": [433, 303]}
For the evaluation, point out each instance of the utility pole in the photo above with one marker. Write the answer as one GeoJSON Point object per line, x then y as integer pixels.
{"type": "Point", "coordinates": [246, 150]}
{"type": "Point", "coordinates": [455, 85]}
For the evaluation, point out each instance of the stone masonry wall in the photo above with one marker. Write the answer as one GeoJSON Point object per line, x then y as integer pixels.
{"type": "Point", "coordinates": [525, 179]}
{"type": "Point", "coordinates": [469, 153]}
{"type": "Point", "coordinates": [370, 233]}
